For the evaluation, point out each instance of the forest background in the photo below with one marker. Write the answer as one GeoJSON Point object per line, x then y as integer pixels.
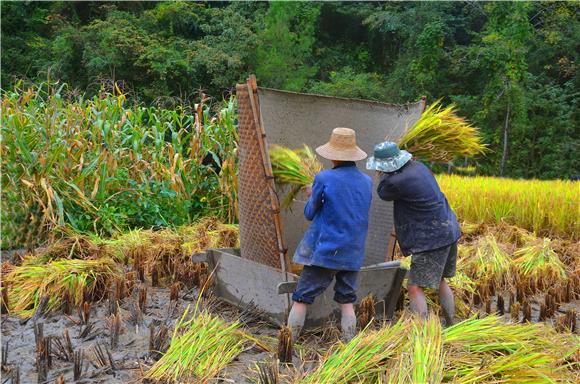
{"type": "Point", "coordinates": [511, 67]}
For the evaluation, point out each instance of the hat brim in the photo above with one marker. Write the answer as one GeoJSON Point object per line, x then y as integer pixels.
{"type": "Point", "coordinates": [389, 165]}
{"type": "Point", "coordinates": [340, 154]}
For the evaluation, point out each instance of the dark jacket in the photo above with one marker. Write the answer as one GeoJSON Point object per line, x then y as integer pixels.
{"type": "Point", "coordinates": [423, 219]}
{"type": "Point", "coordinates": [339, 211]}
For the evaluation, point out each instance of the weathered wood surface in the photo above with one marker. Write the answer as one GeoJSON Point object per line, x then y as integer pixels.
{"type": "Point", "coordinates": [241, 281]}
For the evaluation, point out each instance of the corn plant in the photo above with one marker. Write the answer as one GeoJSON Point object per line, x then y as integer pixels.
{"type": "Point", "coordinates": [103, 164]}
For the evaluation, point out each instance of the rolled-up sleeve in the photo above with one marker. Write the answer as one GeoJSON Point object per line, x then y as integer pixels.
{"type": "Point", "coordinates": [387, 190]}
{"type": "Point", "coordinates": [315, 201]}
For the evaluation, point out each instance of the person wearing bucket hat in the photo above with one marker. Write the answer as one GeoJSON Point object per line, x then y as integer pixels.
{"type": "Point", "coordinates": [425, 225]}
{"type": "Point", "coordinates": [332, 248]}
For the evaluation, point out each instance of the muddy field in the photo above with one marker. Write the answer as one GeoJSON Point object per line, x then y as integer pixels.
{"type": "Point", "coordinates": [132, 355]}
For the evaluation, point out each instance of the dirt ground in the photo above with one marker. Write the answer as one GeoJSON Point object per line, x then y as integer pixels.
{"type": "Point", "coordinates": [131, 357]}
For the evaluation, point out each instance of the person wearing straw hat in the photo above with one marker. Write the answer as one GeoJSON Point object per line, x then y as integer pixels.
{"type": "Point", "coordinates": [333, 246]}
{"type": "Point", "coordinates": [425, 225]}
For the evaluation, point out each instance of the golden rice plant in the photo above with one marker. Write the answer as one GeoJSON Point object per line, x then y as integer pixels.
{"type": "Point", "coordinates": [201, 347]}
{"type": "Point", "coordinates": [76, 280]}
{"type": "Point", "coordinates": [546, 208]}
{"type": "Point", "coordinates": [538, 263]}
{"type": "Point", "coordinates": [68, 244]}
{"type": "Point", "coordinates": [363, 358]}
{"type": "Point", "coordinates": [293, 168]}
{"type": "Point", "coordinates": [441, 135]}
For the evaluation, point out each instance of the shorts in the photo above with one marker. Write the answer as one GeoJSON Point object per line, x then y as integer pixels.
{"type": "Point", "coordinates": [314, 280]}
{"type": "Point", "coordinates": [429, 268]}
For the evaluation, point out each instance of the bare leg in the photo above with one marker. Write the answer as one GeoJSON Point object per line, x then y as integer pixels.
{"type": "Point", "coordinates": [447, 303]}
{"type": "Point", "coordinates": [347, 321]}
{"type": "Point", "coordinates": [296, 318]}
{"type": "Point", "coordinates": [417, 298]}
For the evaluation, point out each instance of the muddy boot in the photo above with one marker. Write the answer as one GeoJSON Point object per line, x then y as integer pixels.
{"type": "Point", "coordinates": [348, 326]}
{"type": "Point", "coordinates": [296, 319]}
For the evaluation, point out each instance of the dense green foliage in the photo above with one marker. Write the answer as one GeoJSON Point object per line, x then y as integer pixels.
{"type": "Point", "coordinates": [102, 164]}
{"type": "Point", "coordinates": [511, 67]}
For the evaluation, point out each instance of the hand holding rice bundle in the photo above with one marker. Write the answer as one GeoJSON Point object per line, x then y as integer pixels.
{"type": "Point", "coordinates": [293, 168]}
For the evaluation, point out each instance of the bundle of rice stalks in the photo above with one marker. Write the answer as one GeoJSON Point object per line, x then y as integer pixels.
{"type": "Point", "coordinates": [441, 135]}
{"type": "Point", "coordinates": [422, 358]}
{"type": "Point", "coordinates": [528, 353]}
{"type": "Point", "coordinates": [201, 347]}
{"type": "Point", "coordinates": [363, 358]}
{"type": "Point", "coordinates": [209, 232]}
{"type": "Point", "coordinates": [66, 279]}
{"type": "Point", "coordinates": [489, 264]}
{"type": "Point", "coordinates": [164, 254]}
{"type": "Point", "coordinates": [70, 245]}
{"type": "Point", "coordinates": [128, 246]}
{"type": "Point", "coordinates": [293, 168]}
{"type": "Point", "coordinates": [538, 266]}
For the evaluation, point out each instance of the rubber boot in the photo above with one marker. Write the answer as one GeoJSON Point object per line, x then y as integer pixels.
{"type": "Point", "coordinates": [348, 326]}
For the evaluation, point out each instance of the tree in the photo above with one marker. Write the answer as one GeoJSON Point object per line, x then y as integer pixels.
{"type": "Point", "coordinates": [286, 43]}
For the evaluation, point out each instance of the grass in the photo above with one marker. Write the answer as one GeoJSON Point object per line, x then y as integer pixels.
{"type": "Point", "coordinates": [441, 135]}
{"type": "Point", "coordinates": [201, 347]}
{"type": "Point", "coordinates": [59, 280]}
{"type": "Point", "coordinates": [293, 168]}
{"type": "Point", "coordinates": [547, 208]}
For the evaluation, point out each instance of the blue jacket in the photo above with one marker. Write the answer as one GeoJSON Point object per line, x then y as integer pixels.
{"type": "Point", "coordinates": [339, 211]}
{"type": "Point", "coordinates": [423, 219]}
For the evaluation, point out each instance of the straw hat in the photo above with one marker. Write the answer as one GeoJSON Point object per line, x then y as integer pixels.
{"type": "Point", "coordinates": [342, 146]}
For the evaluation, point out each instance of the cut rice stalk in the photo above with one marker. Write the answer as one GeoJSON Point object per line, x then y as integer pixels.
{"type": "Point", "coordinates": [201, 347]}
{"type": "Point", "coordinates": [540, 265]}
{"type": "Point", "coordinates": [441, 135]}
{"type": "Point", "coordinates": [73, 278]}
{"type": "Point", "coordinates": [293, 168]}
{"type": "Point", "coordinates": [423, 357]}
{"type": "Point", "coordinates": [363, 358]}
{"type": "Point", "coordinates": [489, 264]}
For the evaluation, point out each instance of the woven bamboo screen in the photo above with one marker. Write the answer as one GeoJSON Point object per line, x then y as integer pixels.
{"type": "Point", "coordinates": [259, 214]}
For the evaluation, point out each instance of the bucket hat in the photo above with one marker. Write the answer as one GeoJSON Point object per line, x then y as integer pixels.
{"type": "Point", "coordinates": [342, 146]}
{"type": "Point", "coordinates": [387, 157]}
